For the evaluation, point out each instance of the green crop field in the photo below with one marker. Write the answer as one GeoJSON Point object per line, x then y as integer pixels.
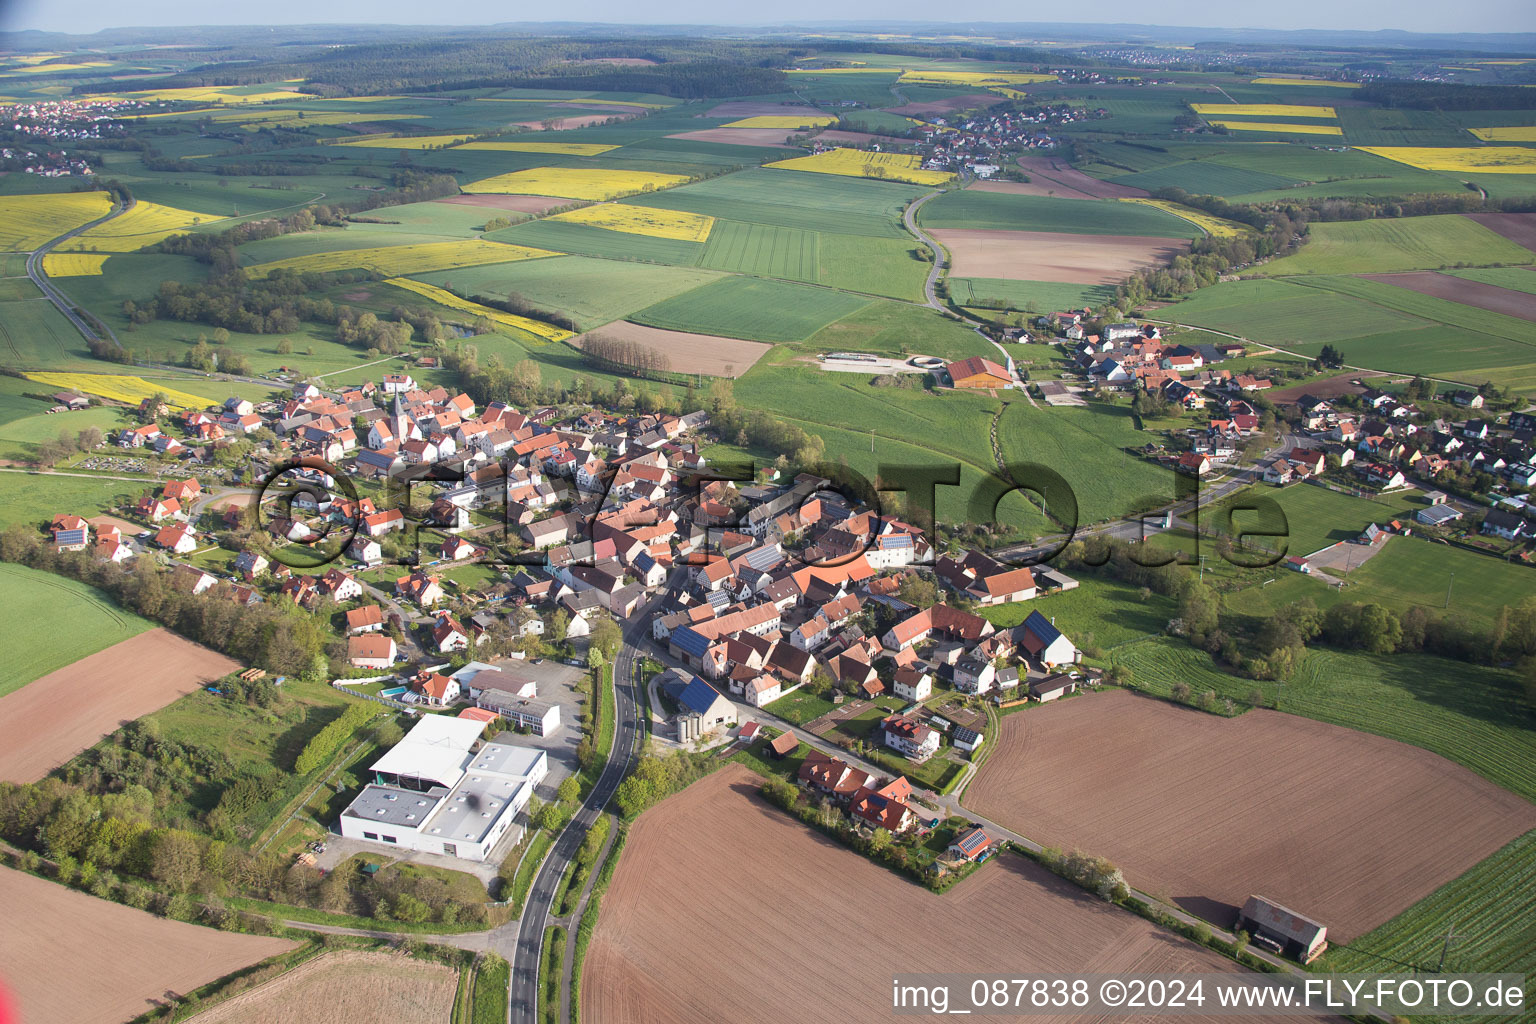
{"type": "Point", "coordinates": [81, 620]}
{"type": "Point", "coordinates": [758, 310]}
{"type": "Point", "coordinates": [796, 199]}
{"type": "Point", "coordinates": [899, 330]}
{"type": "Point", "coordinates": [1405, 243]}
{"type": "Point", "coordinates": [1032, 296]}
{"type": "Point", "coordinates": [585, 240]}
{"type": "Point", "coordinates": [593, 291]}
{"type": "Point", "coordinates": [878, 266]}
{"type": "Point", "coordinates": [1470, 714]}
{"type": "Point", "coordinates": [1005, 211]}
{"type": "Point", "coordinates": [1086, 446]}
{"type": "Point", "coordinates": [35, 335]}
{"type": "Point", "coordinates": [1210, 177]}
{"type": "Point", "coordinates": [766, 250]}
{"type": "Point", "coordinates": [1519, 279]}
{"type": "Point", "coordinates": [1487, 913]}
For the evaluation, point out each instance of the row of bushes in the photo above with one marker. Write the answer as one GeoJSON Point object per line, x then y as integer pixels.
{"type": "Point", "coordinates": [323, 745]}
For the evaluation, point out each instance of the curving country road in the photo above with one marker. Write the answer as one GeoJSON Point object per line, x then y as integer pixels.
{"type": "Point", "coordinates": [523, 997]}
{"type": "Point", "coordinates": [50, 290]}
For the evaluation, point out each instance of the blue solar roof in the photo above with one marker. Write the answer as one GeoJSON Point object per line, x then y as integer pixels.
{"type": "Point", "coordinates": [65, 537]}
{"type": "Point", "coordinates": [698, 695]}
{"type": "Point", "coordinates": [1041, 627]}
{"type": "Point", "coordinates": [689, 642]}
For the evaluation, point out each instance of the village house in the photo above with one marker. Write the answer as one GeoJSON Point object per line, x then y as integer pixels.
{"type": "Point", "coordinates": [910, 737]}
{"type": "Point", "coordinates": [371, 651]}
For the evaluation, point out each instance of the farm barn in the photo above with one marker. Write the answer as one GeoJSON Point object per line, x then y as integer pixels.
{"type": "Point", "coordinates": [977, 372]}
{"type": "Point", "coordinates": [1299, 937]}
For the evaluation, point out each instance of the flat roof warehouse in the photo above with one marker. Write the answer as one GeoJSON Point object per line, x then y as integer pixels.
{"type": "Point", "coordinates": [434, 793]}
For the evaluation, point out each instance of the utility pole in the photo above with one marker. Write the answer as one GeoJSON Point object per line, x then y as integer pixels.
{"type": "Point", "coordinates": [1445, 949]}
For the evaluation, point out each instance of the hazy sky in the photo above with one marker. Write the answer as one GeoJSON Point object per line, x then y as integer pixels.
{"type": "Point", "coordinates": [1410, 15]}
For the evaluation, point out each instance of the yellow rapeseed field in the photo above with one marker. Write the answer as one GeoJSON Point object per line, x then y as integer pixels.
{"type": "Point", "coordinates": [575, 182]}
{"type": "Point", "coordinates": [1506, 133]}
{"type": "Point", "coordinates": [1284, 129]}
{"type": "Point", "coordinates": [27, 222]}
{"type": "Point", "coordinates": [1215, 226]}
{"type": "Point", "coordinates": [400, 260]}
{"type": "Point", "coordinates": [857, 164]}
{"type": "Point", "coordinates": [783, 121]}
{"type": "Point", "coordinates": [1263, 110]}
{"type": "Point", "coordinates": [564, 148]}
{"type": "Point", "coordinates": [410, 142]}
{"type": "Point", "coordinates": [1476, 160]}
{"type": "Point", "coordinates": [131, 390]}
{"type": "Point", "coordinates": [214, 94]}
{"type": "Point", "coordinates": [979, 79]}
{"type": "Point", "coordinates": [1305, 81]}
{"type": "Point", "coordinates": [640, 220]}
{"type": "Point", "coordinates": [144, 224]}
{"type": "Point", "coordinates": [62, 67]}
{"type": "Point", "coordinates": [538, 328]}
{"type": "Point", "coordinates": [74, 264]}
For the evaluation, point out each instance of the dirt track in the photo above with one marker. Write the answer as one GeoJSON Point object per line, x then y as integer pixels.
{"type": "Point", "coordinates": [1053, 255]}
{"type": "Point", "coordinates": [726, 909]}
{"type": "Point", "coordinates": [345, 988]}
{"type": "Point", "coordinates": [688, 353]}
{"type": "Point", "coordinates": [70, 958]}
{"type": "Point", "coordinates": [1346, 826]}
{"type": "Point", "coordinates": [1519, 228]}
{"type": "Point", "coordinates": [1469, 293]}
{"type": "Point", "coordinates": [520, 204]}
{"type": "Point", "coordinates": [49, 721]}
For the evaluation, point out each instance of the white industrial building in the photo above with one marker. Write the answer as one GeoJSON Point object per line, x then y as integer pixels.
{"type": "Point", "coordinates": [435, 792]}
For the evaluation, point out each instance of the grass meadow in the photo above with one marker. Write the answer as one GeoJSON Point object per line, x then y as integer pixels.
{"type": "Point", "coordinates": [81, 621]}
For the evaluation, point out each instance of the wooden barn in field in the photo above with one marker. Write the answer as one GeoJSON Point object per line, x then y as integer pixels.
{"type": "Point", "coordinates": [1298, 937]}
{"type": "Point", "coordinates": [977, 372]}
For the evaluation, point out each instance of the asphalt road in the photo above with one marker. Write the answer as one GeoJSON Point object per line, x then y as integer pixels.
{"type": "Point", "coordinates": [51, 291]}
{"type": "Point", "coordinates": [523, 997]}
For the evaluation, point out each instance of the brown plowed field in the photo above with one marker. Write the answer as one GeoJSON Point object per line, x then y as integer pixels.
{"type": "Point", "coordinates": [1344, 826]}
{"type": "Point", "coordinates": [726, 909]}
{"type": "Point", "coordinates": [1468, 293]}
{"type": "Point", "coordinates": [47, 722]}
{"type": "Point", "coordinates": [861, 138]}
{"type": "Point", "coordinates": [689, 353]}
{"type": "Point", "coordinates": [1066, 180]}
{"type": "Point", "coordinates": [1053, 255]}
{"type": "Point", "coordinates": [70, 958]}
{"type": "Point", "coordinates": [1330, 387]}
{"type": "Point", "coordinates": [345, 988]}
{"type": "Point", "coordinates": [565, 124]}
{"type": "Point", "coordinates": [970, 101]}
{"type": "Point", "coordinates": [738, 136]}
{"type": "Point", "coordinates": [521, 204]}
{"type": "Point", "coordinates": [1519, 228]}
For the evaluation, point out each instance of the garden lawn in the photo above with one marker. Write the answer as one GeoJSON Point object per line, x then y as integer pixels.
{"type": "Point", "coordinates": [800, 707]}
{"type": "Point", "coordinates": [34, 498]}
{"type": "Point", "coordinates": [80, 620]}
